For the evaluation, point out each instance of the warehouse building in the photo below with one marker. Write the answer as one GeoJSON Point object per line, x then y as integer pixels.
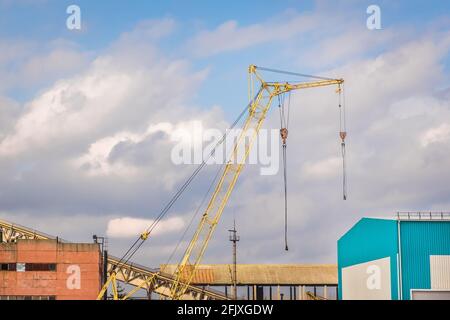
{"type": "Point", "coordinates": [268, 281]}
{"type": "Point", "coordinates": [49, 270]}
{"type": "Point", "coordinates": [400, 259]}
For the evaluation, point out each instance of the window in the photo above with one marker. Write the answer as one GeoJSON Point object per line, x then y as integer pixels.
{"type": "Point", "coordinates": [8, 267]}
{"type": "Point", "coordinates": [40, 267]}
{"type": "Point", "coordinates": [259, 293]}
{"type": "Point", "coordinates": [27, 298]}
{"type": "Point", "coordinates": [242, 292]}
{"type": "Point", "coordinates": [285, 293]}
{"type": "Point", "coordinates": [273, 293]}
{"type": "Point", "coordinates": [267, 293]}
{"type": "Point", "coordinates": [320, 292]}
{"type": "Point", "coordinates": [22, 267]}
{"type": "Point", "coordinates": [332, 292]}
{"type": "Point", "coordinates": [310, 289]}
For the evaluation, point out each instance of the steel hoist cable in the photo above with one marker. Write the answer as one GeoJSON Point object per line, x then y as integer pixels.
{"type": "Point", "coordinates": [343, 135]}
{"type": "Point", "coordinates": [202, 202]}
{"type": "Point", "coordinates": [141, 239]}
{"type": "Point", "coordinates": [284, 124]}
{"type": "Point", "coordinates": [294, 73]}
{"type": "Point", "coordinates": [284, 120]}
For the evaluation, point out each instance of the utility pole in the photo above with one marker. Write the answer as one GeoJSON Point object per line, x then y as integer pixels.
{"type": "Point", "coordinates": [234, 238]}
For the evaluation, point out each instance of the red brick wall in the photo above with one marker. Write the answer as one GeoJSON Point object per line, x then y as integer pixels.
{"type": "Point", "coordinates": [84, 258]}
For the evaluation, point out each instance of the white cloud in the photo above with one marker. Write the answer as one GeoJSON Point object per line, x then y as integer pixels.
{"type": "Point", "coordinates": [13, 50]}
{"type": "Point", "coordinates": [55, 64]}
{"type": "Point", "coordinates": [131, 97]}
{"type": "Point", "coordinates": [323, 169]}
{"type": "Point", "coordinates": [127, 227]}
{"type": "Point", "coordinates": [229, 36]}
{"type": "Point", "coordinates": [148, 30]}
{"type": "Point", "coordinates": [347, 42]}
{"type": "Point", "coordinates": [111, 155]}
{"type": "Point", "coordinates": [30, 65]}
{"type": "Point", "coordinates": [392, 105]}
{"type": "Point", "coordinates": [9, 112]}
{"type": "Point", "coordinates": [113, 94]}
{"type": "Point", "coordinates": [436, 135]}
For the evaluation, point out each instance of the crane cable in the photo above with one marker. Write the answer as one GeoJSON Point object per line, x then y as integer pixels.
{"type": "Point", "coordinates": [202, 202]}
{"type": "Point", "coordinates": [284, 125]}
{"type": "Point", "coordinates": [284, 132]}
{"type": "Point", "coordinates": [141, 239]}
{"type": "Point", "coordinates": [342, 135]}
{"type": "Point", "coordinates": [294, 73]}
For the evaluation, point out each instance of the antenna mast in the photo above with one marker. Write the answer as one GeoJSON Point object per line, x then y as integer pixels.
{"type": "Point", "coordinates": [234, 238]}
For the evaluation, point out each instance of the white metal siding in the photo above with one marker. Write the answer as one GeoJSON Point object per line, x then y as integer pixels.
{"type": "Point", "coordinates": [356, 280]}
{"type": "Point", "coordinates": [440, 272]}
{"type": "Point", "coordinates": [430, 295]}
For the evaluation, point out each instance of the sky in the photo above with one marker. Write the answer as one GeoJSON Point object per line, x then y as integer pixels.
{"type": "Point", "coordinates": [89, 119]}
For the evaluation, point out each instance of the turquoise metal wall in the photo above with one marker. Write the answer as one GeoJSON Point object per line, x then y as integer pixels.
{"type": "Point", "coordinates": [419, 240]}
{"type": "Point", "coordinates": [369, 239]}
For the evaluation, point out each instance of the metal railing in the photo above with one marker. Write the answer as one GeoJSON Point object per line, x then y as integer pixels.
{"type": "Point", "coordinates": [31, 232]}
{"type": "Point", "coordinates": [423, 215]}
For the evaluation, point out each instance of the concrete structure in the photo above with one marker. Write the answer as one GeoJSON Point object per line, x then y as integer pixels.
{"type": "Point", "coordinates": [48, 269]}
{"type": "Point", "coordinates": [268, 281]}
{"type": "Point", "coordinates": [404, 258]}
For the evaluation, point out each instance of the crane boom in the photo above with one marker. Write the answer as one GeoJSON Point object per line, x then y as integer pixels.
{"type": "Point", "coordinates": [258, 109]}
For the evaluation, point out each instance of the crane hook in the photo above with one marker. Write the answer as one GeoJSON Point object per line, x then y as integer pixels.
{"type": "Point", "coordinates": [284, 135]}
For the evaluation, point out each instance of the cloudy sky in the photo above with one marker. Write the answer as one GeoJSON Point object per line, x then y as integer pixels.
{"type": "Point", "coordinates": [88, 118]}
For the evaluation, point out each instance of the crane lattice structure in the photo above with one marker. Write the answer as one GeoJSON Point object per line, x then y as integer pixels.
{"type": "Point", "coordinates": [256, 113]}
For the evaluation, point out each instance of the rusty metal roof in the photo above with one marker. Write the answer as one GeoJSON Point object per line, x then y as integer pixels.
{"type": "Point", "coordinates": [273, 274]}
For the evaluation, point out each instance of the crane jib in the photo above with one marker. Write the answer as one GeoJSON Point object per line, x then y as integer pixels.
{"type": "Point", "coordinates": [258, 109]}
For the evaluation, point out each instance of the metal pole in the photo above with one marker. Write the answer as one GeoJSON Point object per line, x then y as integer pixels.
{"type": "Point", "coordinates": [103, 242]}
{"type": "Point", "coordinates": [105, 272]}
{"type": "Point", "coordinates": [399, 262]}
{"type": "Point", "coordinates": [234, 238]}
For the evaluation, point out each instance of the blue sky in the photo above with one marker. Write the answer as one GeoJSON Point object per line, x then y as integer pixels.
{"type": "Point", "coordinates": [104, 21]}
{"type": "Point", "coordinates": [88, 118]}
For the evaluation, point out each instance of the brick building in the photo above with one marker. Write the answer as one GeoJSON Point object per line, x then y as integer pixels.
{"type": "Point", "coordinates": [49, 270]}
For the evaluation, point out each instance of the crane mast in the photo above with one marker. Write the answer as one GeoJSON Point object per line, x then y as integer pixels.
{"type": "Point", "coordinates": [257, 111]}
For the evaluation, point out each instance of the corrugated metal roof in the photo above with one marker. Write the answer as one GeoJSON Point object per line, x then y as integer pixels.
{"type": "Point", "coordinates": [294, 274]}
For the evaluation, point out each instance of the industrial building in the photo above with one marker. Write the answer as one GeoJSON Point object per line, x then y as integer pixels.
{"type": "Point", "coordinates": [269, 281]}
{"type": "Point", "coordinates": [404, 258]}
{"type": "Point", "coordinates": [35, 265]}
{"type": "Point", "coordinates": [49, 270]}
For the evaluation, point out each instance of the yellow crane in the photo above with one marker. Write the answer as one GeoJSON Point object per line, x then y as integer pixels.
{"type": "Point", "coordinates": [259, 107]}
{"type": "Point", "coordinates": [257, 111]}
